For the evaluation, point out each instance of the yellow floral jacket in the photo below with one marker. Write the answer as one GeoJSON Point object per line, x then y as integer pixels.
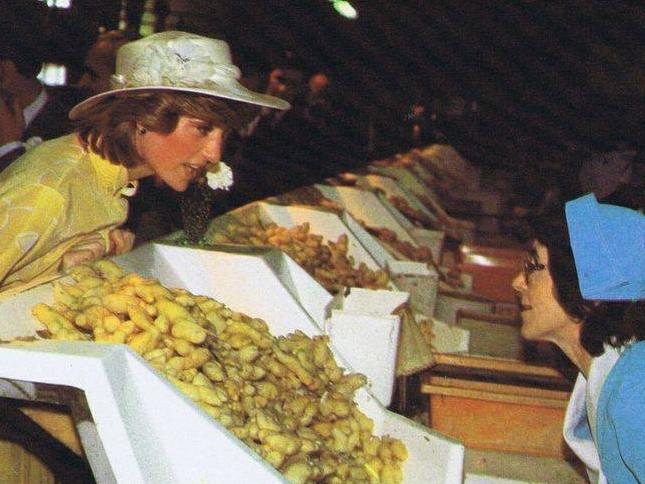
{"type": "Point", "coordinates": [50, 198]}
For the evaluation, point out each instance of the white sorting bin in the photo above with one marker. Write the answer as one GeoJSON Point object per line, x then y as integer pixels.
{"type": "Point", "coordinates": [131, 403]}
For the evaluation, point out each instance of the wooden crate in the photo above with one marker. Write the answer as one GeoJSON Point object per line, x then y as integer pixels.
{"type": "Point", "coordinates": [493, 270]}
{"type": "Point", "coordinates": [39, 444]}
{"type": "Point", "coordinates": [513, 408]}
{"type": "Point", "coordinates": [19, 466]}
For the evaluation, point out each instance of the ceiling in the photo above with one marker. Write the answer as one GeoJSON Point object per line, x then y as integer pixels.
{"type": "Point", "coordinates": [548, 78]}
{"type": "Point", "coordinates": [544, 83]}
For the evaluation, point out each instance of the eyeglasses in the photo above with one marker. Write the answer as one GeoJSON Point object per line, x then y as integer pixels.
{"type": "Point", "coordinates": [531, 266]}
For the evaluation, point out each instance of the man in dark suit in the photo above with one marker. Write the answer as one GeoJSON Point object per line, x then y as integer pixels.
{"type": "Point", "coordinates": [28, 110]}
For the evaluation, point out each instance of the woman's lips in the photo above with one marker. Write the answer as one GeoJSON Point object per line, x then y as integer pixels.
{"type": "Point", "coordinates": [525, 307]}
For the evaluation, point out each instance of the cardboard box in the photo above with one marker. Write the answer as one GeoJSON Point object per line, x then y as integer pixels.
{"type": "Point", "coordinates": [369, 316]}
{"type": "Point", "coordinates": [496, 416]}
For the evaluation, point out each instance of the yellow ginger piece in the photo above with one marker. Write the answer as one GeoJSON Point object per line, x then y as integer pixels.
{"type": "Point", "coordinates": [285, 397]}
{"type": "Point", "coordinates": [328, 262]}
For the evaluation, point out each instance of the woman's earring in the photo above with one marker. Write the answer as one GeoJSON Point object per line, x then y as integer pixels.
{"type": "Point", "coordinates": [142, 130]}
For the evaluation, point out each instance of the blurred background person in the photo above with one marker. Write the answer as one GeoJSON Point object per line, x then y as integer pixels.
{"type": "Point", "coordinates": [43, 109]}
{"type": "Point", "coordinates": [100, 62]}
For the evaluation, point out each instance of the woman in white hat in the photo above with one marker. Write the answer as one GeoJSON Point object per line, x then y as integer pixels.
{"type": "Point", "coordinates": [173, 99]}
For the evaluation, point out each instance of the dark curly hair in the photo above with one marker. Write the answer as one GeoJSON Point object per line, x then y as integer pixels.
{"type": "Point", "coordinates": [603, 322]}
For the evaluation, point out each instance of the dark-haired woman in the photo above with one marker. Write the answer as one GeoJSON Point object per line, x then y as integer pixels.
{"type": "Point", "coordinates": [175, 96]}
{"type": "Point", "coordinates": [605, 418]}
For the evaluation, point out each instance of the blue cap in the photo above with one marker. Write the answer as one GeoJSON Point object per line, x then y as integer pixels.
{"type": "Point", "coordinates": [608, 244]}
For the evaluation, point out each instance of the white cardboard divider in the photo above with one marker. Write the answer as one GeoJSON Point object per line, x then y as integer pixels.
{"type": "Point", "coordinates": [377, 302]}
{"type": "Point", "coordinates": [367, 207]}
{"type": "Point", "coordinates": [420, 281]}
{"type": "Point", "coordinates": [366, 316]}
{"type": "Point", "coordinates": [375, 355]}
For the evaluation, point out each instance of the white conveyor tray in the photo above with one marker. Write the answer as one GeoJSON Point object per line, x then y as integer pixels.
{"type": "Point", "coordinates": [144, 430]}
{"type": "Point", "coordinates": [131, 403]}
{"type": "Point", "coordinates": [361, 245]}
{"type": "Point", "coordinates": [290, 298]}
{"type": "Point", "coordinates": [369, 315]}
{"type": "Point", "coordinates": [238, 284]}
{"type": "Point", "coordinates": [321, 222]}
{"type": "Point", "coordinates": [406, 179]}
{"type": "Point", "coordinates": [393, 189]}
{"type": "Point", "coordinates": [365, 206]}
{"type": "Point", "coordinates": [377, 211]}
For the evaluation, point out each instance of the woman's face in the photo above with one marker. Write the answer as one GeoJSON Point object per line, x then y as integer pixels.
{"type": "Point", "coordinates": [181, 157]}
{"type": "Point", "coordinates": [543, 318]}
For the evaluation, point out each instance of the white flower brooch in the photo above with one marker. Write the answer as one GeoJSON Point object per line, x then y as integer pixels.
{"type": "Point", "coordinates": [219, 176]}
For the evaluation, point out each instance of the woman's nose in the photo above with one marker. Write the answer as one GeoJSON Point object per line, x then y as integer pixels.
{"type": "Point", "coordinates": [213, 148]}
{"type": "Point", "coordinates": [519, 284]}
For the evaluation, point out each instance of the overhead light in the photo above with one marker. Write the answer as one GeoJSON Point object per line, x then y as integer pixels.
{"type": "Point", "coordinates": [344, 8]}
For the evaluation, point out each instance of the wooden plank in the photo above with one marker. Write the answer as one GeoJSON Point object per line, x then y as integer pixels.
{"type": "Point", "coordinates": [496, 365]}
{"type": "Point", "coordinates": [58, 423]}
{"type": "Point", "coordinates": [431, 380]}
{"type": "Point", "coordinates": [18, 466]}
{"type": "Point", "coordinates": [487, 396]}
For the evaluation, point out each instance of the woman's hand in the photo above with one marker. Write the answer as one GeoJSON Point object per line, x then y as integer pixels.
{"type": "Point", "coordinates": [92, 247]}
{"type": "Point", "coordinates": [89, 248]}
{"type": "Point", "coordinates": [121, 241]}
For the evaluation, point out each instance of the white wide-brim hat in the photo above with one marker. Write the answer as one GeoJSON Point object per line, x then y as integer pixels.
{"type": "Point", "coordinates": [179, 61]}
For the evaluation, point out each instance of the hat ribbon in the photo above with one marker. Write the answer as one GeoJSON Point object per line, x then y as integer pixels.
{"type": "Point", "coordinates": [198, 76]}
